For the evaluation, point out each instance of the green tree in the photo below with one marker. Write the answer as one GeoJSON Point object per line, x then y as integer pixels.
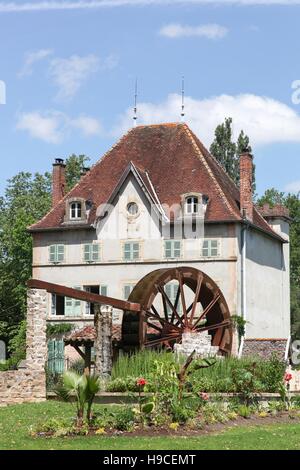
{"type": "Point", "coordinates": [27, 199]}
{"type": "Point", "coordinates": [227, 152]}
{"type": "Point", "coordinates": [75, 166]}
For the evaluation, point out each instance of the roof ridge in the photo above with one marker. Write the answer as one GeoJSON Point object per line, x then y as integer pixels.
{"type": "Point", "coordinates": [221, 192]}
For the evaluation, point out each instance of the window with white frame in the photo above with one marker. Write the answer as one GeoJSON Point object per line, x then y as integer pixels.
{"type": "Point", "coordinates": [91, 252]}
{"type": "Point", "coordinates": [57, 253]}
{"type": "Point", "coordinates": [172, 249]}
{"type": "Point", "coordinates": [65, 306]}
{"type": "Point", "coordinates": [102, 290]}
{"type": "Point", "coordinates": [75, 210]}
{"type": "Point", "coordinates": [131, 251]}
{"type": "Point", "coordinates": [192, 205]}
{"type": "Point", "coordinates": [211, 248]}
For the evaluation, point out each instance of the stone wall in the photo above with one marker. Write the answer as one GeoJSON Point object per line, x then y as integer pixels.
{"type": "Point", "coordinates": [29, 383]}
{"type": "Point", "coordinates": [199, 342]}
{"type": "Point", "coordinates": [22, 386]}
{"type": "Point", "coordinates": [264, 347]}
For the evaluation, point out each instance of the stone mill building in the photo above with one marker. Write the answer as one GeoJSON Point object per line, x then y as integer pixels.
{"type": "Point", "coordinates": [124, 220]}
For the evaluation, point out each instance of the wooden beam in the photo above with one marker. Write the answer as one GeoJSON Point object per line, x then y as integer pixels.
{"type": "Point", "coordinates": [84, 296]}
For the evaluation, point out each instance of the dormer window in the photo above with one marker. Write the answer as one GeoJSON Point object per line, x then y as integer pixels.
{"type": "Point", "coordinates": [192, 205]}
{"type": "Point", "coordinates": [75, 210]}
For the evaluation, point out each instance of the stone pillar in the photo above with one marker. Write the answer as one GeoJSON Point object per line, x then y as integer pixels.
{"type": "Point", "coordinates": [103, 341]}
{"type": "Point", "coordinates": [36, 340]}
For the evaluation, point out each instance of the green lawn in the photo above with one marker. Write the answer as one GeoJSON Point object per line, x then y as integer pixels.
{"type": "Point", "coordinates": [15, 422]}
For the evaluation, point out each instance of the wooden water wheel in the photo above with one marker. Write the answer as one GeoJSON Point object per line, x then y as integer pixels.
{"type": "Point", "coordinates": [196, 305]}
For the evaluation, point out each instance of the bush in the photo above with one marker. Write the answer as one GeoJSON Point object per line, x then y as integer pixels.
{"type": "Point", "coordinates": [124, 419]}
{"type": "Point", "coordinates": [117, 385]}
{"type": "Point", "coordinates": [244, 411]}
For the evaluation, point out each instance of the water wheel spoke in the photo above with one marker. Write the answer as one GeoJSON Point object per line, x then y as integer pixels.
{"type": "Point", "coordinates": [222, 324]}
{"type": "Point", "coordinates": [175, 304]}
{"type": "Point", "coordinates": [162, 291]}
{"type": "Point", "coordinates": [182, 297]}
{"type": "Point", "coordinates": [161, 340]}
{"type": "Point", "coordinates": [155, 315]}
{"type": "Point", "coordinates": [208, 308]}
{"type": "Point", "coordinates": [149, 314]}
{"type": "Point", "coordinates": [196, 298]}
{"type": "Point", "coordinates": [155, 327]}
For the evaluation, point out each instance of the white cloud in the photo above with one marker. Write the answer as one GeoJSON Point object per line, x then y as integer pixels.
{"type": "Point", "coordinates": [87, 125]}
{"type": "Point", "coordinates": [69, 74]}
{"type": "Point", "coordinates": [264, 119]}
{"type": "Point", "coordinates": [293, 187]}
{"type": "Point", "coordinates": [209, 31]}
{"type": "Point", "coordinates": [31, 58]}
{"type": "Point", "coordinates": [54, 127]}
{"type": "Point", "coordinates": [30, 6]}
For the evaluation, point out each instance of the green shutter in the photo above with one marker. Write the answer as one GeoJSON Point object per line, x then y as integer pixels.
{"type": "Point", "coordinates": [103, 290]}
{"type": "Point", "coordinates": [60, 253]}
{"type": "Point", "coordinates": [52, 253]}
{"type": "Point", "coordinates": [87, 253]}
{"type": "Point", "coordinates": [95, 252]}
{"type": "Point", "coordinates": [127, 251]}
{"type": "Point", "coordinates": [73, 306]}
{"type": "Point", "coordinates": [177, 249]}
{"type": "Point", "coordinates": [136, 250]}
{"type": "Point", "coordinates": [56, 356]}
{"type": "Point", "coordinates": [168, 249]}
{"type": "Point", "coordinates": [127, 291]}
{"type": "Point", "coordinates": [77, 305]}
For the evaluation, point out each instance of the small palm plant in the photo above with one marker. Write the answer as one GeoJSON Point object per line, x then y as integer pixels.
{"type": "Point", "coordinates": [83, 388]}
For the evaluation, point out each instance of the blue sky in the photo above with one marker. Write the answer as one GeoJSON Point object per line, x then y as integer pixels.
{"type": "Point", "coordinates": [70, 72]}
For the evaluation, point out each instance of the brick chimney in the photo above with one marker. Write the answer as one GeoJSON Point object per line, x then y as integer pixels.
{"type": "Point", "coordinates": [246, 169]}
{"type": "Point", "coordinates": [58, 181]}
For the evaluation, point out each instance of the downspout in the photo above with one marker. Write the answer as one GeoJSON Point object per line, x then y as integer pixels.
{"type": "Point", "coordinates": [244, 282]}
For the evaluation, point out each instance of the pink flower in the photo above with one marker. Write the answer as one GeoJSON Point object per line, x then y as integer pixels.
{"type": "Point", "coordinates": [204, 396]}
{"type": "Point", "coordinates": [288, 376]}
{"type": "Point", "coordinates": [141, 382]}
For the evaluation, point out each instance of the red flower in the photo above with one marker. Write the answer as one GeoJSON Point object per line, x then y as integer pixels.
{"type": "Point", "coordinates": [204, 396]}
{"type": "Point", "coordinates": [141, 382]}
{"type": "Point", "coordinates": [288, 376]}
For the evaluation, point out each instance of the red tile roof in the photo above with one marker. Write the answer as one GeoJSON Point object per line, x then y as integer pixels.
{"type": "Point", "coordinates": [174, 160]}
{"type": "Point", "coordinates": [88, 335]}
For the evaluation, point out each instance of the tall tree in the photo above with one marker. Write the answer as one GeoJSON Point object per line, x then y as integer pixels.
{"type": "Point", "coordinates": [27, 199]}
{"type": "Point", "coordinates": [227, 152]}
{"type": "Point", "coordinates": [75, 165]}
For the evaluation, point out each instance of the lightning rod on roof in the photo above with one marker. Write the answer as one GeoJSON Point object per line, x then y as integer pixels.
{"type": "Point", "coordinates": [135, 104]}
{"type": "Point", "coordinates": [182, 100]}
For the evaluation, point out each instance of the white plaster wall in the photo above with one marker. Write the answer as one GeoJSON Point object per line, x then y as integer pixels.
{"type": "Point", "coordinates": [268, 307]}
